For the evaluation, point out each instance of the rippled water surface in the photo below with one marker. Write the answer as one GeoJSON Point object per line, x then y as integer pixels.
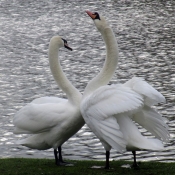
{"type": "Point", "coordinates": [145, 31]}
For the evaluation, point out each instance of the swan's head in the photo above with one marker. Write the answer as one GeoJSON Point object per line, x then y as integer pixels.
{"type": "Point", "coordinates": [99, 21]}
{"type": "Point", "coordinates": [60, 42]}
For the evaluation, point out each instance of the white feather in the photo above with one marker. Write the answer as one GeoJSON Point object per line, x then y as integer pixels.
{"type": "Point", "coordinates": [135, 140]}
{"type": "Point", "coordinates": [152, 121]}
{"type": "Point", "coordinates": [109, 100]}
{"type": "Point", "coordinates": [152, 96]}
{"type": "Point", "coordinates": [51, 120]}
{"type": "Point", "coordinates": [111, 109]}
{"type": "Point", "coordinates": [98, 110]}
{"type": "Point", "coordinates": [42, 100]}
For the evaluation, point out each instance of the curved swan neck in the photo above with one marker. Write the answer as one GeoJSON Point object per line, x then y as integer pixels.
{"type": "Point", "coordinates": [72, 93]}
{"type": "Point", "coordinates": [110, 64]}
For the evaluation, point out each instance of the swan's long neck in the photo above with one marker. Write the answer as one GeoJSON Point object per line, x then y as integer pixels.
{"type": "Point", "coordinates": [73, 95]}
{"type": "Point", "coordinates": [110, 64]}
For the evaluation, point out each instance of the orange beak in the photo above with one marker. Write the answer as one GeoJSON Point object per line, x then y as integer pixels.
{"type": "Point", "coordinates": [92, 15]}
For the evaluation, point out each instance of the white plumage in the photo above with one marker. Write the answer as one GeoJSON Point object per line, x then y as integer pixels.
{"type": "Point", "coordinates": [51, 121]}
{"type": "Point", "coordinates": [111, 111]}
{"type": "Point", "coordinates": [151, 95]}
{"type": "Point", "coordinates": [122, 102]}
{"type": "Point", "coordinates": [99, 110]}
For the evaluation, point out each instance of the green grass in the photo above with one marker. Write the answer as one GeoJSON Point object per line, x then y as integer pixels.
{"type": "Point", "coordinates": [21, 166]}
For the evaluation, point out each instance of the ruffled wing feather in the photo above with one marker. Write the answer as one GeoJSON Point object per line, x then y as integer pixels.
{"type": "Point", "coordinates": [139, 85]}
{"type": "Point", "coordinates": [99, 108]}
{"type": "Point", "coordinates": [152, 121]}
{"type": "Point", "coordinates": [110, 100]}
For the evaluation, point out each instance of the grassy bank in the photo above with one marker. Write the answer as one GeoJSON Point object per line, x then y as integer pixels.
{"type": "Point", "coordinates": [18, 166]}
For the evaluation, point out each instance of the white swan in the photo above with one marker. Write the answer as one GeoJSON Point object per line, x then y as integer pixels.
{"type": "Point", "coordinates": [109, 110]}
{"type": "Point", "coordinates": [51, 120]}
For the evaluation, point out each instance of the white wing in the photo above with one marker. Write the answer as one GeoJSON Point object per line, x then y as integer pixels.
{"type": "Point", "coordinates": [37, 118]}
{"type": "Point", "coordinates": [152, 96]}
{"type": "Point", "coordinates": [108, 131]}
{"type": "Point", "coordinates": [148, 117]}
{"type": "Point", "coordinates": [152, 121]}
{"type": "Point", "coordinates": [99, 108]}
{"type": "Point", "coordinates": [135, 140]}
{"type": "Point", "coordinates": [110, 100]}
{"type": "Point", "coordinates": [42, 100]}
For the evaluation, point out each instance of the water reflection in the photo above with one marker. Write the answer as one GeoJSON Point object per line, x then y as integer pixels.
{"type": "Point", "coordinates": [145, 33]}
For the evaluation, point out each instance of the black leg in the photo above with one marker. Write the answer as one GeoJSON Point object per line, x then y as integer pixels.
{"type": "Point", "coordinates": [61, 158]}
{"type": "Point", "coordinates": [135, 162]}
{"type": "Point", "coordinates": [60, 155]}
{"type": "Point", "coordinates": [56, 157]}
{"type": "Point", "coordinates": [59, 161]}
{"type": "Point", "coordinates": [107, 160]}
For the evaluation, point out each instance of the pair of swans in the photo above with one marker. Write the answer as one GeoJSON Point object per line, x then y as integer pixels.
{"type": "Point", "coordinates": [109, 111]}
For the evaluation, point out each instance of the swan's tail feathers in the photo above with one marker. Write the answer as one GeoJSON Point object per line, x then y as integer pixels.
{"type": "Point", "coordinates": [20, 131]}
{"type": "Point", "coordinates": [24, 142]}
{"type": "Point", "coordinates": [34, 142]}
{"type": "Point", "coordinates": [20, 142]}
{"type": "Point", "coordinates": [135, 140]}
{"type": "Point", "coordinates": [152, 96]}
{"type": "Point", "coordinates": [112, 135]}
{"type": "Point", "coordinates": [146, 144]}
{"type": "Point", "coordinates": [156, 144]}
{"type": "Point", "coordinates": [152, 121]}
{"type": "Point", "coordinates": [30, 141]}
